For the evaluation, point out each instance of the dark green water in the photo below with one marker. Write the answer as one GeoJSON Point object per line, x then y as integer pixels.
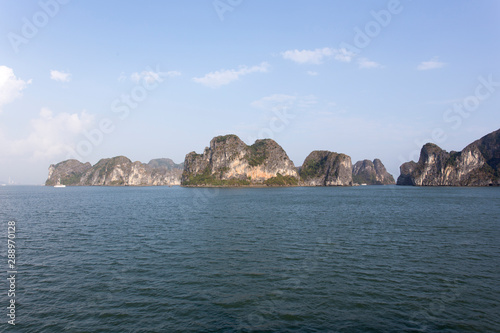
{"type": "Point", "coordinates": [160, 259]}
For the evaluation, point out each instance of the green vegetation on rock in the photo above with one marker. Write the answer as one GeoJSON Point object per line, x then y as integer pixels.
{"type": "Point", "coordinates": [453, 159]}
{"type": "Point", "coordinates": [207, 179]}
{"type": "Point", "coordinates": [228, 161]}
{"type": "Point", "coordinates": [198, 179]}
{"type": "Point", "coordinates": [71, 179]}
{"type": "Point", "coordinates": [257, 153]}
{"type": "Point", "coordinates": [223, 138]}
{"type": "Point", "coordinates": [365, 179]}
{"type": "Point", "coordinates": [312, 168]}
{"type": "Point", "coordinates": [281, 180]}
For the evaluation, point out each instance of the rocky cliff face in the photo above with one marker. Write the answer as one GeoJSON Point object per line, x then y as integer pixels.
{"type": "Point", "coordinates": [67, 172]}
{"type": "Point", "coordinates": [229, 161]}
{"type": "Point", "coordinates": [371, 173]}
{"type": "Point", "coordinates": [406, 170]}
{"type": "Point", "coordinates": [115, 171]}
{"type": "Point", "coordinates": [324, 168]}
{"type": "Point", "coordinates": [478, 164]}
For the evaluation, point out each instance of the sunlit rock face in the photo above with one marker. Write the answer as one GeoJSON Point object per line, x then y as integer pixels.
{"type": "Point", "coordinates": [478, 164]}
{"type": "Point", "coordinates": [229, 161]}
{"type": "Point", "coordinates": [116, 171]}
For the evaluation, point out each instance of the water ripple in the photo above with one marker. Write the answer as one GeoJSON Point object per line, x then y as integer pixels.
{"type": "Point", "coordinates": [372, 259]}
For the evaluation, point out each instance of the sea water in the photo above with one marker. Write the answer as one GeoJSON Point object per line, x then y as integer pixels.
{"type": "Point", "coordinates": [173, 259]}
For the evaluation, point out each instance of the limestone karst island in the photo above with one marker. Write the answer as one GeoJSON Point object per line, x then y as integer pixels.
{"type": "Point", "coordinates": [228, 161]}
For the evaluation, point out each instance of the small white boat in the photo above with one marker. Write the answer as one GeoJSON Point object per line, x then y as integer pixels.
{"type": "Point", "coordinates": [363, 184]}
{"type": "Point", "coordinates": [59, 183]}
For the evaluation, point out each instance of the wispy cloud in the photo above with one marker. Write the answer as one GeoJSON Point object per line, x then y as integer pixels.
{"type": "Point", "coordinates": [343, 55]}
{"type": "Point", "coordinates": [226, 76]}
{"type": "Point", "coordinates": [312, 73]}
{"type": "Point", "coordinates": [365, 63]}
{"type": "Point", "coordinates": [434, 63]}
{"type": "Point", "coordinates": [308, 56]}
{"type": "Point", "coordinates": [150, 76]}
{"type": "Point", "coordinates": [60, 76]}
{"type": "Point", "coordinates": [318, 56]}
{"type": "Point", "coordinates": [11, 87]}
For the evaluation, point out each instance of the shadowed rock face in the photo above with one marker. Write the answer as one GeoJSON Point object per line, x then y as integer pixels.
{"type": "Point", "coordinates": [476, 165]}
{"type": "Point", "coordinates": [371, 173]}
{"type": "Point", "coordinates": [165, 163]}
{"type": "Point", "coordinates": [116, 171]}
{"type": "Point", "coordinates": [406, 170]}
{"type": "Point", "coordinates": [229, 161]}
{"type": "Point", "coordinates": [325, 168]}
{"type": "Point", "coordinates": [67, 172]}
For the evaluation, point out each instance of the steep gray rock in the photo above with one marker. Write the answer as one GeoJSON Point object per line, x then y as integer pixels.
{"type": "Point", "coordinates": [230, 162]}
{"type": "Point", "coordinates": [116, 171]}
{"type": "Point", "coordinates": [478, 164]}
{"type": "Point", "coordinates": [371, 173]}
{"type": "Point", "coordinates": [406, 170]}
{"type": "Point", "coordinates": [325, 168]}
{"type": "Point", "coordinates": [67, 172]}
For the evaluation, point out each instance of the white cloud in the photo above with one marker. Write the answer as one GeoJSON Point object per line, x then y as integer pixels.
{"type": "Point", "coordinates": [152, 76]}
{"type": "Point", "coordinates": [317, 56]}
{"type": "Point", "coordinates": [431, 64]}
{"type": "Point", "coordinates": [365, 63]}
{"type": "Point", "coordinates": [226, 76]}
{"type": "Point", "coordinates": [10, 86]}
{"type": "Point", "coordinates": [343, 55]}
{"type": "Point", "coordinates": [308, 56]}
{"type": "Point", "coordinates": [51, 135]}
{"type": "Point", "coordinates": [312, 73]}
{"type": "Point", "coordinates": [60, 76]}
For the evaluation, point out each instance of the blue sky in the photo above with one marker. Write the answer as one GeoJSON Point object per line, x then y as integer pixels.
{"type": "Point", "coordinates": [373, 79]}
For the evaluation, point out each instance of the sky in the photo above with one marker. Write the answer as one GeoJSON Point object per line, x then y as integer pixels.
{"type": "Point", "coordinates": [150, 79]}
